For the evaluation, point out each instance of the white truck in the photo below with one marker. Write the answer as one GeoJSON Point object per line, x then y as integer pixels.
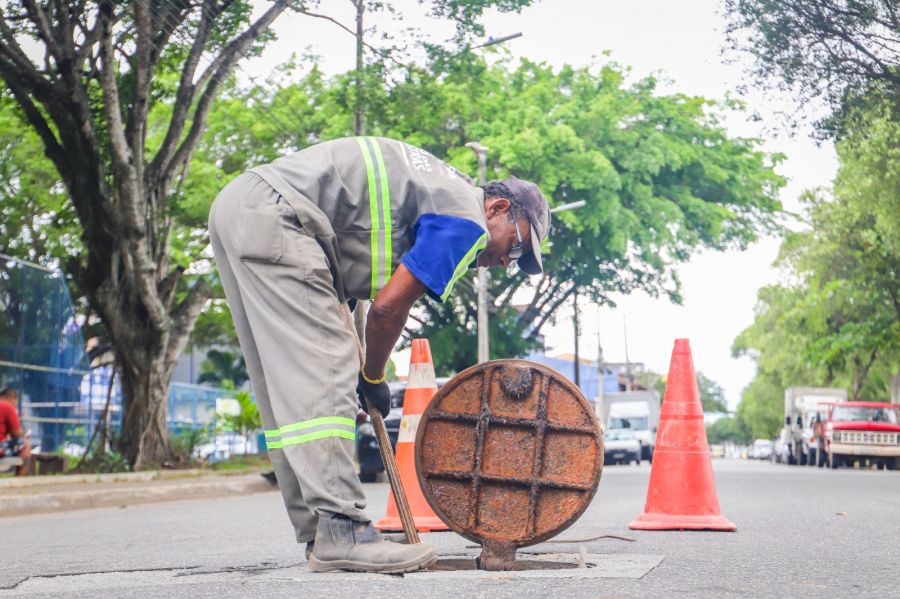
{"type": "Point", "coordinates": [636, 411]}
{"type": "Point", "coordinates": [801, 405]}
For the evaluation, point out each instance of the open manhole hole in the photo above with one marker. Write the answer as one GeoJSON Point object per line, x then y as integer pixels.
{"type": "Point", "coordinates": [455, 564]}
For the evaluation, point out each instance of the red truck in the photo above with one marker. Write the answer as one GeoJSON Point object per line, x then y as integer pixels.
{"type": "Point", "coordinates": [863, 431]}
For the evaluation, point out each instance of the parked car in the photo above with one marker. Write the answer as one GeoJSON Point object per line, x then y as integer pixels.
{"type": "Point", "coordinates": [367, 452]}
{"type": "Point", "coordinates": [761, 450]}
{"type": "Point", "coordinates": [781, 449]}
{"type": "Point", "coordinates": [620, 447]}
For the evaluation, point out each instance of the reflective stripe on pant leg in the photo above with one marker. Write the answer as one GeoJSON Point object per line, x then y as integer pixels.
{"type": "Point", "coordinates": [306, 431]}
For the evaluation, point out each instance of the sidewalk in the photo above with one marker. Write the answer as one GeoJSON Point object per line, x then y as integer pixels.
{"type": "Point", "coordinates": [37, 494]}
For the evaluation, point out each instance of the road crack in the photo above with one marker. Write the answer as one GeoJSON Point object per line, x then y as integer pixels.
{"type": "Point", "coordinates": [93, 572]}
{"type": "Point", "coordinates": [261, 567]}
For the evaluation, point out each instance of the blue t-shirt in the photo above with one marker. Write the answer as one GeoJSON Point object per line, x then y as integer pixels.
{"type": "Point", "coordinates": [444, 248]}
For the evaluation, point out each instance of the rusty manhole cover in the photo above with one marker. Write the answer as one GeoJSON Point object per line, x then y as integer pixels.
{"type": "Point", "coordinates": [508, 453]}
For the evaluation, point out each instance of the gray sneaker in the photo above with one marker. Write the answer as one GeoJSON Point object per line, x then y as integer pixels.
{"type": "Point", "coordinates": [344, 544]}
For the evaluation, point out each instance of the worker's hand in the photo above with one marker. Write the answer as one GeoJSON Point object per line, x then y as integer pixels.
{"type": "Point", "coordinates": [378, 394]}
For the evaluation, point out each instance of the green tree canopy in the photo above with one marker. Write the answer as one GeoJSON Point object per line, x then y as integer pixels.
{"type": "Point", "coordinates": [712, 396]}
{"type": "Point", "coordinates": [838, 50]}
{"type": "Point", "coordinates": [728, 429]}
{"type": "Point", "coordinates": [836, 321]}
{"type": "Point", "coordinates": [659, 174]}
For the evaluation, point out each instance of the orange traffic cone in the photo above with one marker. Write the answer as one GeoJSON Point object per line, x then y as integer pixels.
{"type": "Point", "coordinates": [682, 492]}
{"type": "Point", "coordinates": [421, 387]}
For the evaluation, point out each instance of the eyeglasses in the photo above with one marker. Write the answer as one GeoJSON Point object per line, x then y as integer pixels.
{"type": "Point", "coordinates": [516, 251]}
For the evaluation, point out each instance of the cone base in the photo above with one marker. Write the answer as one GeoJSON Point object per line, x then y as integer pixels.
{"type": "Point", "coordinates": [657, 521]}
{"type": "Point", "coordinates": [423, 524]}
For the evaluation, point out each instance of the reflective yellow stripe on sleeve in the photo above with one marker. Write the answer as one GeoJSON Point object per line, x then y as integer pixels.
{"type": "Point", "coordinates": [379, 212]}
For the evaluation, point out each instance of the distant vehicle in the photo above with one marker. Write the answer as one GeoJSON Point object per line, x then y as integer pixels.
{"type": "Point", "coordinates": [761, 449]}
{"type": "Point", "coordinates": [225, 445]}
{"type": "Point", "coordinates": [801, 405]}
{"type": "Point", "coordinates": [636, 411]}
{"type": "Point", "coordinates": [621, 447]}
{"type": "Point", "coordinates": [367, 452]}
{"type": "Point", "coordinates": [717, 451]}
{"type": "Point", "coordinates": [864, 431]}
{"type": "Point", "coordinates": [781, 448]}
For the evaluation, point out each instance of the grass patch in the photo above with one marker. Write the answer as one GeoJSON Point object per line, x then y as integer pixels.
{"type": "Point", "coordinates": [257, 461]}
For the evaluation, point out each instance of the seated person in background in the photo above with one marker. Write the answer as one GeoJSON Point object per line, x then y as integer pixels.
{"type": "Point", "coordinates": [12, 437]}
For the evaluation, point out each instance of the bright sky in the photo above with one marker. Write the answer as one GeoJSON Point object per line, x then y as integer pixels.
{"type": "Point", "coordinates": [684, 46]}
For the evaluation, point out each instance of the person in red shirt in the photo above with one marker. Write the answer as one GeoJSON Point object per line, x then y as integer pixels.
{"type": "Point", "coordinates": [12, 437]}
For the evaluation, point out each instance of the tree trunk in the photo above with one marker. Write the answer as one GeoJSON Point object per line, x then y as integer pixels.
{"type": "Point", "coordinates": [144, 426]}
{"type": "Point", "coordinates": [145, 377]}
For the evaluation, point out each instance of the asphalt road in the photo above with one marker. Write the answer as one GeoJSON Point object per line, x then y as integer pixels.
{"type": "Point", "coordinates": [802, 532]}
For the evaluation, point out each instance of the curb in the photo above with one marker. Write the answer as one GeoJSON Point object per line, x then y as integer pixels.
{"type": "Point", "coordinates": [120, 495]}
{"type": "Point", "coordinates": [69, 479]}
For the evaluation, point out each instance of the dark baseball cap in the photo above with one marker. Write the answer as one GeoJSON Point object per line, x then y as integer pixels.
{"type": "Point", "coordinates": [530, 200]}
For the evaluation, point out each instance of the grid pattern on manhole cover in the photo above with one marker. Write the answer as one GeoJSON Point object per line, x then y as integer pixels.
{"type": "Point", "coordinates": [533, 480]}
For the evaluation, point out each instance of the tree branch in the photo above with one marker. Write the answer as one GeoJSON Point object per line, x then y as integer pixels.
{"type": "Point", "coordinates": [142, 69]}
{"type": "Point", "coordinates": [131, 202]}
{"type": "Point", "coordinates": [377, 51]}
{"type": "Point", "coordinates": [232, 53]}
{"type": "Point", "coordinates": [37, 16]}
{"type": "Point", "coordinates": [52, 146]}
{"type": "Point", "coordinates": [184, 99]}
{"type": "Point", "coordinates": [184, 315]}
{"type": "Point", "coordinates": [16, 56]}
{"type": "Point", "coordinates": [546, 315]}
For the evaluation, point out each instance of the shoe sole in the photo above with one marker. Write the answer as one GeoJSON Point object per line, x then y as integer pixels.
{"type": "Point", "coordinates": [343, 565]}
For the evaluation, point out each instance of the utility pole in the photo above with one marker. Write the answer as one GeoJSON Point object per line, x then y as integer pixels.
{"type": "Point", "coordinates": [483, 278]}
{"type": "Point", "coordinates": [628, 384]}
{"type": "Point", "coordinates": [359, 125]}
{"type": "Point", "coordinates": [600, 391]}
{"type": "Point", "coordinates": [577, 354]}
{"type": "Point", "coordinates": [359, 128]}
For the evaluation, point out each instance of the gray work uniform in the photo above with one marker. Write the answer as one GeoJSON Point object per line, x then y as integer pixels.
{"type": "Point", "coordinates": [295, 239]}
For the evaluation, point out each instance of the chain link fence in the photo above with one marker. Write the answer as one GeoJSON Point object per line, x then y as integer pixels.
{"type": "Point", "coordinates": [41, 349]}
{"type": "Point", "coordinates": [62, 398]}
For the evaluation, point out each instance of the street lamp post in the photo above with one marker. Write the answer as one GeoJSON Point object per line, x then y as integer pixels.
{"type": "Point", "coordinates": [483, 279]}
{"type": "Point", "coordinates": [577, 369]}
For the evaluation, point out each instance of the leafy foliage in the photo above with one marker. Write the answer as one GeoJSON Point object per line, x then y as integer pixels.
{"type": "Point", "coordinates": [36, 219]}
{"type": "Point", "coordinates": [221, 366]}
{"type": "Point", "coordinates": [184, 444]}
{"type": "Point", "coordinates": [840, 50]}
{"type": "Point", "coordinates": [712, 396]}
{"type": "Point", "coordinates": [836, 322]}
{"type": "Point", "coordinates": [659, 173]}
{"type": "Point", "coordinates": [728, 429]}
{"type": "Point", "coordinates": [246, 420]}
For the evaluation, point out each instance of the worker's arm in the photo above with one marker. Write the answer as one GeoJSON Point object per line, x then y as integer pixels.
{"type": "Point", "coordinates": [387, 317]}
